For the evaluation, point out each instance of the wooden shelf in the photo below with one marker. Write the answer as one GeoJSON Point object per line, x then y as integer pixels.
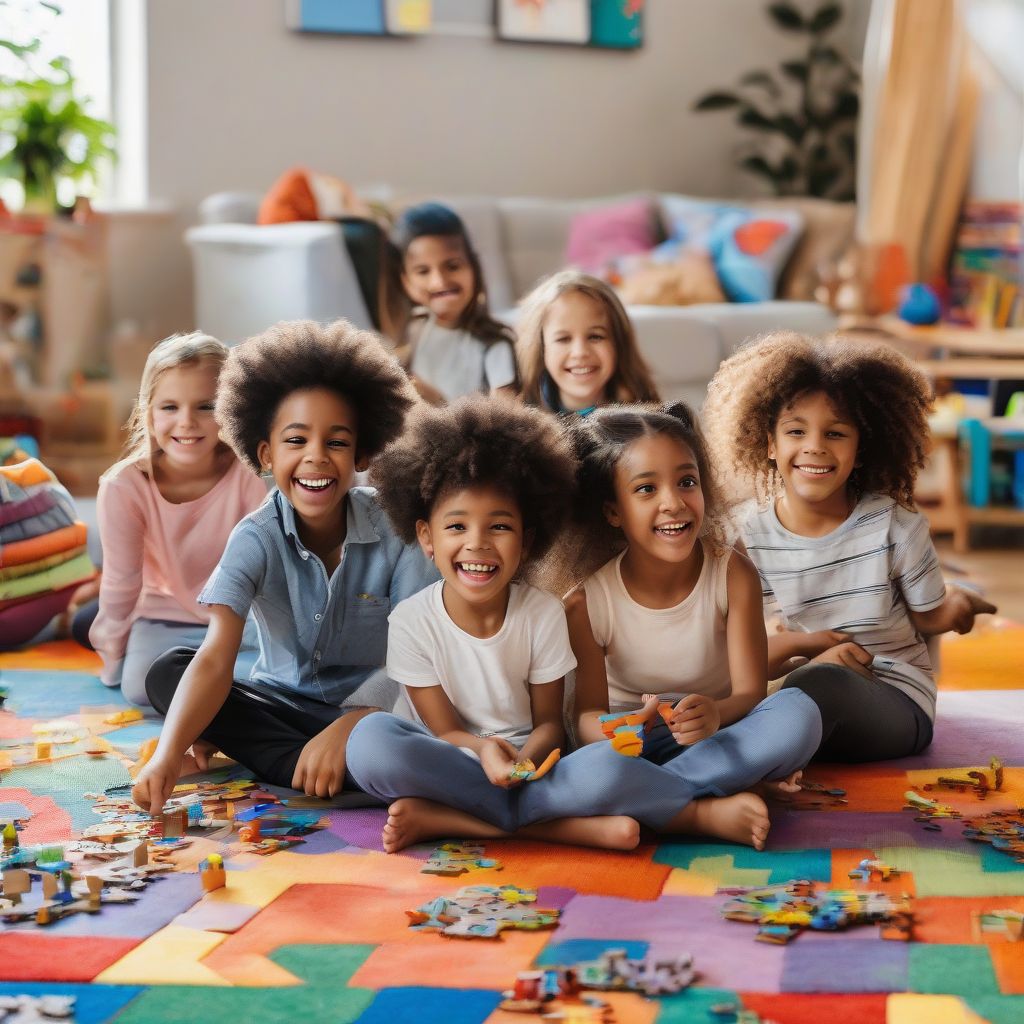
{"type": "Point", "coordinates": [973, 369]}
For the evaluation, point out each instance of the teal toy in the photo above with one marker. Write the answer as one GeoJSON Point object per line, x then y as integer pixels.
{"type": "Point", "coordinates": [919, 305]}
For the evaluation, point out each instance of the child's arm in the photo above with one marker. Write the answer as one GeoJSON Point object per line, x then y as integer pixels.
{"type": "Point", "coordinates": [591, 698]}
{"type": "Point", "coordinates": [201, 693]}
{"type": "Point", "coordinates": [957, 612]}
{"type": "Point", "coordinates": [546, 700]}
{"type": "Point", "coordinates": [696, 716]}
{"type": "Point", "coordinates": [435, 710]}
{"type": "Point", "coordinates": [123, 538]}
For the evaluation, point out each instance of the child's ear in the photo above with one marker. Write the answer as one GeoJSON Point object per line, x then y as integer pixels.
{"type": "Point", "coordinates": [263, 454]}
{"type": "Point", "coordinates": [362, 463]}
{"type": "Point", "coordinates": [611, 513]}
{"type": "Point", "coordinates": [423, 536]}
{"type": "Point", "coordinates": [771, 447]}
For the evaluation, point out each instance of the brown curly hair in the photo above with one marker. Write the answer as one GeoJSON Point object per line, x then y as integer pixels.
{"type": "Point", "coordinates": [300, 355]}
{"type": "Point", "coordinates": [882, 392]}
{"type": "Point", "coordinates": [599, 441]}
{"type": "Point", "coordinates": [478, 441]}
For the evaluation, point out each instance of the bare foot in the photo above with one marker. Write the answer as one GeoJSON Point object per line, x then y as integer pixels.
{"type": "Point", "coordinates": [608, 832]}
{"type": "Point", "coordinates": [202, 751]}
{"type": "Point", "coordinates": [742, 818]}
{"type": "Point", "coordinates": [412, 820]}
{"type": "Point", "coordinates": [780, 787]}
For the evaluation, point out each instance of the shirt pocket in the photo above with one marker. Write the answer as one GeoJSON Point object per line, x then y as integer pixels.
{"type": "Point", "coordinates": [365, 640]}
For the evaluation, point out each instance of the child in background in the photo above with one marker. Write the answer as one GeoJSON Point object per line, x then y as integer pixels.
{"type": "Point", "coordinates": [577, 349]}
{"type": "Point", "coordinates": [317, 564]}
{"type": "Point", "coordinates": [165, 513]}
{"type": "Point", "coordinates": [483, 486]}
{"type": "Point", "coordinates": [833, 434]}
{"type": "Point", "coordinates": [435, 309]}
{"type": "Point", "coordinates": [675, 614]}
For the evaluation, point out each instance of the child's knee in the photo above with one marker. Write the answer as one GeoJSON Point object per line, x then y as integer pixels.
{"type": "Point", "coordinates": [161, 680]}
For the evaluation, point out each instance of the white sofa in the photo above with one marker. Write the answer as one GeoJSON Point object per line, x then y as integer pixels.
{"type": "Point", "coordinates": [247, 277]}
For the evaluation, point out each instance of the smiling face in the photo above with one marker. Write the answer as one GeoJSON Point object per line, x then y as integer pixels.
{"type": "Point", "coordinates": [814, 446]}
{"type": "Point", "coordinates": [311, 452]}
{"type": "Point", "coordinates": [181, 414]}
{"type": "Point", "coordinates": [579, 349]}
{"type": "Point", "coordinates": [659, 504]}
{"type": "Point", "coordinates": [475, 537]}
{"type": "Point", "coordinates": [437, 274]}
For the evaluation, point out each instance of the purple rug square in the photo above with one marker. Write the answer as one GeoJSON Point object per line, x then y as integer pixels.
{"type": "Point", "coordinates": [855, 830]}
{"type": "Point", "coordinates": [555, 897]}
{"type": "Point", "coordinates": [844, 965]}
{"type": "Point", "coordinates": [359, 827]}
{"type": "Point", "coordinates": [970, 726]}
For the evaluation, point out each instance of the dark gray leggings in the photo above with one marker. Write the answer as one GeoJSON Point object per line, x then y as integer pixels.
{"type": "Point", "coordinates": [861, 719]}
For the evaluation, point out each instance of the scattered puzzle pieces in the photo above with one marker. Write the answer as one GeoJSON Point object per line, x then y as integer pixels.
{"type": "Point", "coordinates": [453, 859]}
{"type": "Point", "coordinates": [482, 912]}
{"type": "Point", "coordinates": [25, 1009]}
{"type": "Point", "coordinates": [1003, 830]}
{"type": "Point", "coordinates": [974, 780]}
{"type": "Point", "coordinates": [867, 870]}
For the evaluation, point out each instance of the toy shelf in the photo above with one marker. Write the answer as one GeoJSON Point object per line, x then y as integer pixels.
{"type": "Point", "coordinates": [980, 438]}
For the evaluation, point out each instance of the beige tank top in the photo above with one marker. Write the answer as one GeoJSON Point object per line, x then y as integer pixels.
{"type": "Point", "coordinates": [676, 650]}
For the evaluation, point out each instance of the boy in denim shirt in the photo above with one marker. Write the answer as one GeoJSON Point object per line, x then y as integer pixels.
{"type": "Point", "coordinates": [318, 564]}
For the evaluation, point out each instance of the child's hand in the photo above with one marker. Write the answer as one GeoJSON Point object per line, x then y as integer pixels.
{"type": "Point", "coordinates": [965, 605]}
{"type": "Point", "coordinates": [695, 718]}
{"type": "Point", "coordinates": [320, 770]}
{"type": "Point", "coordinates": [810, 645]}
{"type": "Point", "coordinates": [155, 784]}
{"type": "Point", "coordinates": [497, 758]}
{"type": "Point", "coordinates": [849, 655]}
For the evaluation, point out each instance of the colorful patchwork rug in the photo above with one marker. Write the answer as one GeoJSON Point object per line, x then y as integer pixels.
{"type": "Point", "coordinates": [320, 932]}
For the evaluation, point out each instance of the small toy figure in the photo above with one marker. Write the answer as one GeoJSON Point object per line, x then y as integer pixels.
{"type": "Point", "coordinates": [527, 771]}
{"type": "Point", "coordinates": [211, 872]}
{"type": "Point", "coordinates": [626, 730]}
{"type": "Point", "coordinates": [42, 750]}
{"type": "Point", "coordinates": [11, 841]}
{"type": "Point", "coordinates": [868, 869]}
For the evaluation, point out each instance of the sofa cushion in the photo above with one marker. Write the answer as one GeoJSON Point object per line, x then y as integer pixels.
{"type": "Point", "coordinates": [749, 249]}
{"type": "Point", "coordinates": [600, 237]}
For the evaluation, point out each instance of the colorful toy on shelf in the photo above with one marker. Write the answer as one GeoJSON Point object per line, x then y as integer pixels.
{"type": "Point", "coordinates": [211, 872]}
{"type": "Point", "coordinates": [974, 779]}
{"type": "Point", "coordinates": [783, 911]}
{"type": "Point", "coordinates": [453, 859]}
{"type": "Point", "coordinates": [919, 305]}
{"type": "Point", "coordinates": [482, 912]}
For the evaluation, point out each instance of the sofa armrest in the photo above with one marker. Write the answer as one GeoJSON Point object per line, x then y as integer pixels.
{"type": "Point", "coordinates": [248, 277]}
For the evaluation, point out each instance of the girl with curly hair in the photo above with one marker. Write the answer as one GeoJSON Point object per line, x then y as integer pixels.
{"type": "Point", "coordinates": [577, 348]}
{"type": "Point", "coordinates": [483, 486]}
{"type": "Point", "coordinates": [833, 432]}
{"type": "Point", "coordinates": [318, 564]}
{"type": "Point", "coordinates": [674, 614]}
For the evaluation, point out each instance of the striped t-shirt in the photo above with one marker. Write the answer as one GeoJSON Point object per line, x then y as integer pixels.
{"type": "Point", "coordinates": [861, 579]}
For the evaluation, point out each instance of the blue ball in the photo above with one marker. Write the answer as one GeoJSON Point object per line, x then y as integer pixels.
{"type": "Point", "coordinates": [919, 305]}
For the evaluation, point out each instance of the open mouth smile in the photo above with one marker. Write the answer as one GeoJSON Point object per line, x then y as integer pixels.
{"type": "Point", "coordinates": [476, 572]}
{"type": "Point", "coordinates": [673, 529]}
{"type": "Point", "coordinates": [315, 484]}
{"type": "Point", "coordinates": [816, 470]}
{"type": "Point", "coordinates": [186, 441]}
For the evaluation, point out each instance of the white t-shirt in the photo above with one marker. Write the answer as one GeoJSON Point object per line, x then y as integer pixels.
{"type": "Point", "coordinates": [488, 680]}
{"type": "Point", "coordinates": [458, 364]}
{"type": "Point", "coordinates": [861, 579]}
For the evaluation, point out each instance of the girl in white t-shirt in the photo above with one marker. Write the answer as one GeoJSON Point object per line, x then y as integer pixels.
{"type": "Point", "coordinates": [434, 308]}
{"type": "Point", "coordinates": [483, 485]}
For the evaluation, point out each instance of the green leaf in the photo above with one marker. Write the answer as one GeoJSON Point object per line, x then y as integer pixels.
{"type": "Point", "coordinates": [764, 80]}
{"type": "Point", "coordinates": [795, 69]}
{"type": "Point", "coordinates": [825, 17]}
{"type": "Point", "coordinates": [786, 17]}
{"type": "Point", "coordinates": [717, 101]}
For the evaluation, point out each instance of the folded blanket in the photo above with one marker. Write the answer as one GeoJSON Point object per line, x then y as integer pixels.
{"type": "Point", "coordinates": [76, 570]}
{"type": "Point", "coordinates": [14, 572]}
{"type": "Point", "coordinates": [21, 552]}
{"type": "Point", "coordinates": [20, 620]}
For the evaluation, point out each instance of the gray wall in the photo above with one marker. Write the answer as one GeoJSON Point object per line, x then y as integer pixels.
{"type": "Point", "coordinates": [235, 97]}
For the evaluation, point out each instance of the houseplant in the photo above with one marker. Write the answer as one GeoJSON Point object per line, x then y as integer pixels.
{"type": "Point", "coordinates": [802, 118]}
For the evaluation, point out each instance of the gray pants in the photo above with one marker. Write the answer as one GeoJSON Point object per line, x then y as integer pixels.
{"type": "Point", "coordinates": [149, 638]}
{"type": "Point", "coordinates": [389, 757]}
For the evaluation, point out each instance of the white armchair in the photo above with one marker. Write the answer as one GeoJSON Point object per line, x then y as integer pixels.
{"type": "Point", "coordinates": [249, 276]}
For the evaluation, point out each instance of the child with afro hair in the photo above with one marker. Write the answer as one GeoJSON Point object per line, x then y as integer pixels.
{"type": "Point", "coordinates": [833, 433]}
{"type": "Point", "coordinates": [318, 564]}
{"type": "Point", "coordinates": [484, 485]}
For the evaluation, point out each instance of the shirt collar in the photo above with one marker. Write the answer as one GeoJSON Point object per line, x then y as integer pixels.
{"type": "Point", "coordinates": [359, 524]}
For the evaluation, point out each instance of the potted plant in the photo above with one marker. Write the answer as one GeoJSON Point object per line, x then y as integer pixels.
{"type": "Point", "coordinates": [45, 133]}
{"type": "Point", "coordinates": [803, 118]}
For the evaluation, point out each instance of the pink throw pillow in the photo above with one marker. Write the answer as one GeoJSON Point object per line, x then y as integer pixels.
{"type": "Point", "coordinates": [600, 237]}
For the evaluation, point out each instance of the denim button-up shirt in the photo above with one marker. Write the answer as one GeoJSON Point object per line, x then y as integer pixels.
{"type": "Point", "coordinates": [322, 637]}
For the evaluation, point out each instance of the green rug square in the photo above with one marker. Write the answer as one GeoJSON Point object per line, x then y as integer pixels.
{"type": "Point", "coordinates": [951, 970]}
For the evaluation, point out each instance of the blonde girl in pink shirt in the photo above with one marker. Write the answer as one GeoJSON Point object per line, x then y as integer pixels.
{"type": "Point", "coordinates": [165, 512]}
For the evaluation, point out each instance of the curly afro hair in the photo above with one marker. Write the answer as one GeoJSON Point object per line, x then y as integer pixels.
{"type": "Point", "coordinates": [599, 441]}
{"type": "Point", "coordinates": [882, 392]}
{"type": "Point", "coordinates": [479, 441]}
{"type": "Point", "coordinates": [300, 355]}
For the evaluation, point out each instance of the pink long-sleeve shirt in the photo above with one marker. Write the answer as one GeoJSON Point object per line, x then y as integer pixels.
{"type": "Point", "coordinates": [157, 555]}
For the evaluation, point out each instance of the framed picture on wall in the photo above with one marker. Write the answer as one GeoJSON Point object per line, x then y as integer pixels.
{"type": "Point", "coordinates": [360, 17]}
{"type": "Point", "coordinates": [607, 24]}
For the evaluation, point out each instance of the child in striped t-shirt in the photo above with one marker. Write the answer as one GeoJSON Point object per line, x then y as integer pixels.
{"type": "Point", "coordinates": [833, 433]}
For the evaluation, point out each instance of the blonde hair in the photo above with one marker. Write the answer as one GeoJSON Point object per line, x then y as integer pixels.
{"type": "Point", "coordinates": [177, 350]}
{"type": "Point", "coordinates": [631, 380]}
